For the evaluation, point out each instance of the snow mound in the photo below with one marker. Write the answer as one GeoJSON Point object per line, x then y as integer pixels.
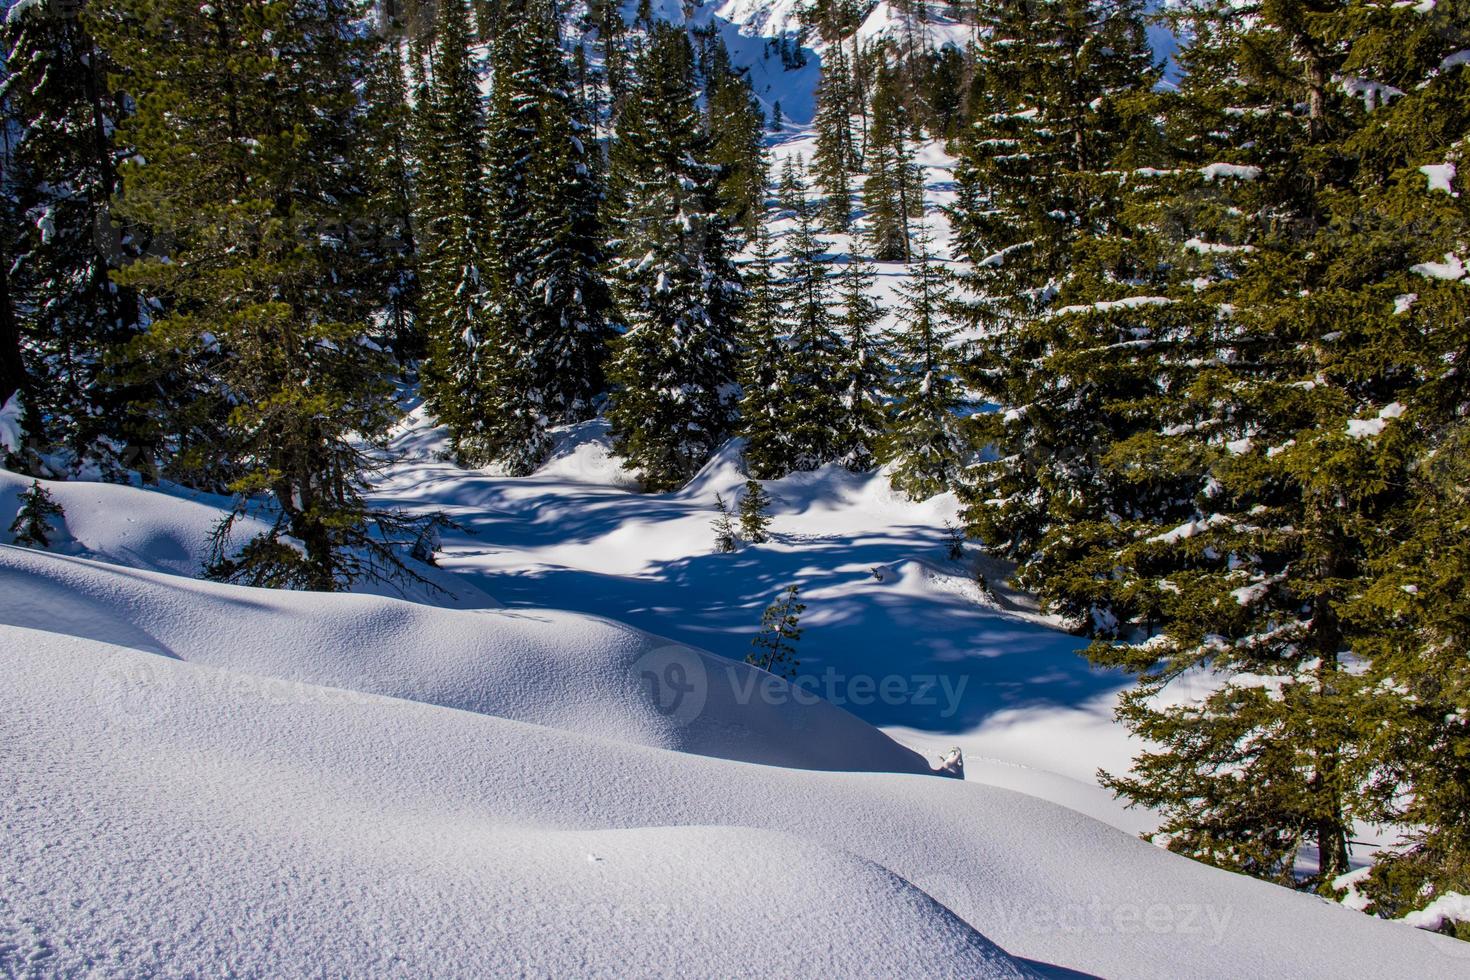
{"type": "Point", "coordinates": [564, 670]}
{"type": "Point", "coordinates": [168, 530]}
{"type": "Point", "coordinates": [240, 830]}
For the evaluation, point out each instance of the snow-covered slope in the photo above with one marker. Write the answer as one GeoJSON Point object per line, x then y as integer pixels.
{"type": "Point", "coordinates": [546, 667]}
{"type": "Point", "coordinates": [253, 831]}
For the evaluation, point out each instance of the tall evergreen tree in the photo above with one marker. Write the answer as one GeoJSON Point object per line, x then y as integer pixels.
{"type": "Point", "coordinates": [923, 443]}
{"type": "Point", "coordinates": [737, 126]}
{"type": "Point", "coordinates": [835, 159]}
{"type": "Point", "coordinates": [812, 415]}
{"type": "Point", "coordinates": [893, 192]}
{"type": "Point", "coordinates": [243, 169]}
{"type": "Point", "coordinates": [762, 363]}
{"type": "Point", "coordinates": [548, 302]}
{"type": "Point", "coordinates": [867, 366]}
{"type": "Point", "coordinates": [452, 215]}
{"type": "Point", "coordinates": [678, 293]}
{"type": "Point", "coordinates": [65, 313]}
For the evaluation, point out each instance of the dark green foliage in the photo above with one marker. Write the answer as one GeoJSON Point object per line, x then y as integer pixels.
{"type": "Point", "coordinates": [63, 315]}
{"type": "Point", "coordinates": [242, 170]}
{"type": "Point", "coordinates": [724, 528]}
{"type": "Point", "coordinates": [893, 192]}
{"type": "Point", "coordinates": [922, 442]}
{"type": "Point", "coordinates": [678, 294]}
{"type": "Point", "coordinates": [736, 128]}
{"type": "Point", "coordinates": [866, 363]}
{"type": "Point", "coordinates": [32, 525]}
{"type": "Point", "coordinates": [452, 231]}
{"type": "Point", "coordinates": [548, 303]}
{"type": "Point", "coordinates": [774, 648]}
{"type": "Point", "coordinates": [762, 363]}
{"type": "Point", "coordinates": [754, 517]}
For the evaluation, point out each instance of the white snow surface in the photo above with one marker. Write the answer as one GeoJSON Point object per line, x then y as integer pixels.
{"type": "Point", "coordinates": [198, 777]}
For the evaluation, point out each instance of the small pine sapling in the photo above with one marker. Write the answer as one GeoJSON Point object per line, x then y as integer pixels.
{"type": "Point", "coordinates": [724, 526]}
{"type": "Point", "coordinates": [775, 645]}
{"type": "Point", "coordinates": [32, 524]}
{"type": "Point", "coordinates": [754, 516]}
{"type": "Point", "coordinates": [954, 541]}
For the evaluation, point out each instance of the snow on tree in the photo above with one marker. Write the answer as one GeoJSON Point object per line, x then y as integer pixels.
{"type": "Point", "coordinates": [774, 647]}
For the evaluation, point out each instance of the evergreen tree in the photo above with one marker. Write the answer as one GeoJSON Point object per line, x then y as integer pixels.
{"type": "Point", "coordinates": [774, 648]}
{"type": "Point", "coordinates": [452, 205]}
{"type": "Point", "coordinates": [724, 527]}
{"type": "Point", "coordinates": [791, 191]}
{"type": "Point", "coordinates": [32, 525]}
{"type": "Point", "coordinates": [812, 415]}
{"type": "Point", "coordinates": [762, 364]}
{"type": "Point", "coordinates": [736, 126]}
{"type": "Point", "coordinates": [243, 169]}
{"type": "Point", "coordinates": [893, 192]}
{"type": "Point", "coordinates": [548, 302]}
{"type": "Point", "coordinates": [867, 366]}
{"type": "Point", "coordinates": [387, 221]}
{"type": "Point", "coordinates": [674, 396]}
{"type": "Point", "coordinates": [754, 516]}
{"type": "Point", "coordinates": [835, 158]}
{"type": "Point", "coordinates": [62, 309]}
{"type": "Point", "coordinates": [923, 444]}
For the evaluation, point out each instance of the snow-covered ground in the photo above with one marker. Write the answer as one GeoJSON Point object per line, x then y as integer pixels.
{"type": "Point", "coordinates": [200, 778]}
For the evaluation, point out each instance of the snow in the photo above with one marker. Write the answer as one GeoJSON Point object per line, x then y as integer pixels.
{"type": "Point", "coordinates": [1451, 269]}
{"type": "Point", "coordinates": [168, 815]}
{"type": "Point", "coordinates": [11, 433]}
{"type": "Point", "coordinates": [1440, 176]}
{"type": "Point", "coordinates": [1450, 906]}
{"type": "Point", "coordinates": [1368, 428]}
{"type": "Point", "coordinates": [1404, 302]}
{"type": "Point", "coordinates": [1218, 171]}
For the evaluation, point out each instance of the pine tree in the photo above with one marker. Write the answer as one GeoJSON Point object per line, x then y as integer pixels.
{"type": "Point", "coordinates": [791, 191]}
{"type": "Point", "coordinates": [893, 192]}
{"type": "Point", "coordinates": [836, 158]}
{"type": "Point", "coordinates": [867, 366]}
{"type": "Point", "coordinates": [1286, 389]}
{"type": "Point", "coordinates": [678, 293]}
{"type": "Point", "coordinates": [63, 310]}
{"type": "Point", "coordinates": [923, 443]}
{"type": "Point", "coordinates": [774, 648]}
{"type": "Point", "coordinates": [548, 302]}
{"type": "Point", "coordinates": [452, 205]}
{"type": "Point", "coordinates": [724, 527]}
{"type": "Point", "coordinates": [387, 222]}
{"type": "Point", "coordinates": [812, 415]}
{"type": "Point", "coordinates": [32, 525]}
{"type": "Point", "coordinates": [736, 126]}
{"type": "Point", "coordinates": [243, 171]}
{"type": "Point", "coordinates": [762, 363]}
{"type": "Point", "coordinates": [755, 518]}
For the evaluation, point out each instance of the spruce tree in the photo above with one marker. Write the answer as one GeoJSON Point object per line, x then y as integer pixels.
{"type": "Point", "coordinates": [547, 299]}
{"type": "Point", "coordinates": [774, 648]}
{"type": "Point", "coordinates": [64, 311]}
{"type": "Point", "coordinates": [893, 191]}
{"type": "Point", "coordinates": [755, 519]}
{"type": "Point", "coordinates": [866, 366]}
{"type": "Point", "coordinates": [812, 386]}
{"type": "Point", "coordinates": [450, 132]}
{"type": "Point", "coordinates": [835, 159]}
{"type": "Point", "coordinates": [923, 444]}
{"type": "Point", "coordinates": [678, 293]}
{"type": "Point", "coordinates": [736, 126]}
{"type": "Point", "coordinates": [724, 527]}
{"type": "Point", "coordinates": [32, 525]}
{"type": "Point", "coordinates": [762, 364]}
{"type": "Point", "coordinates": [242, 170]}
